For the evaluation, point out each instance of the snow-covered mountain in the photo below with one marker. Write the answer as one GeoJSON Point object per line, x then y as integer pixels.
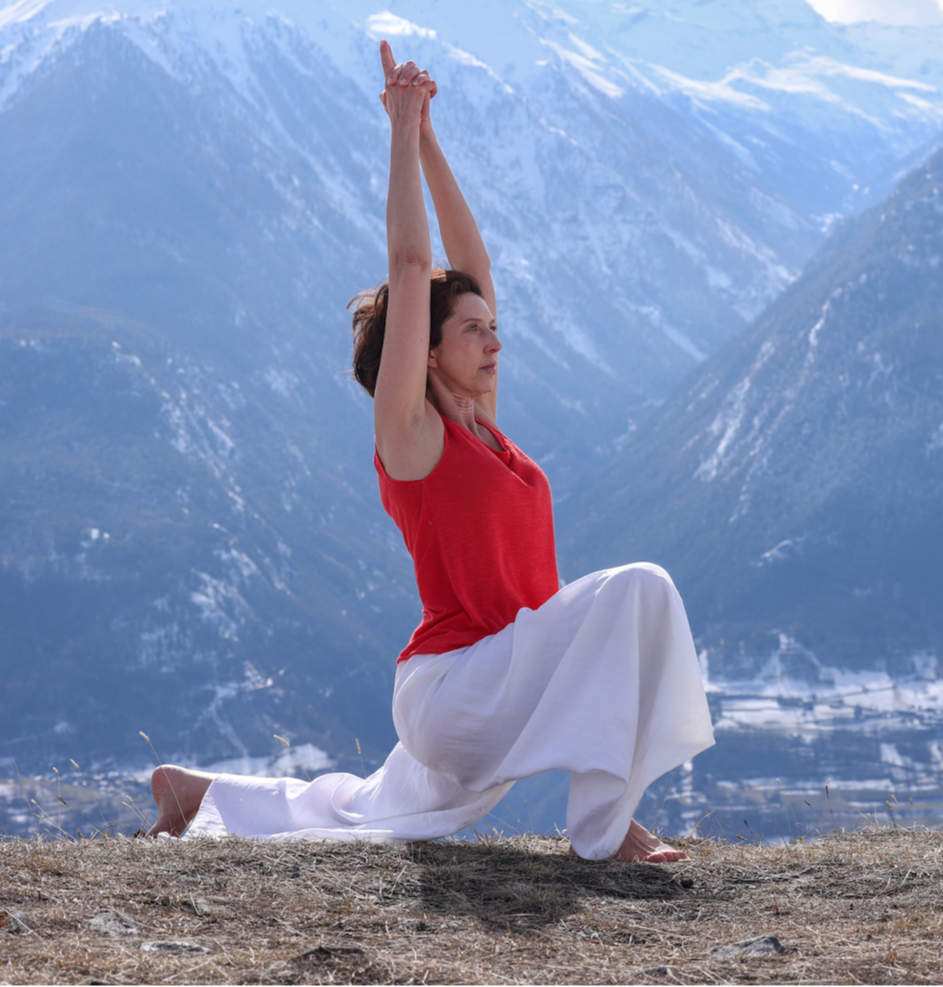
{"type": "Point", "coordinates": [627, 244]}
{"type": "Point", "coordinates": [793, 483]}
{"type": "Point", "coordinates": [577, 129]}
{"type": "Point", "coordinates": [190, 539]}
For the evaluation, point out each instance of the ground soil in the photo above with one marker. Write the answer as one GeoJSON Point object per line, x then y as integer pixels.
{"type": "Point", "coordinates": [863, 907]}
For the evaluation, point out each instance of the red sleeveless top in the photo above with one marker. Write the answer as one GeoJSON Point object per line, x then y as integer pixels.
{"type": "Point", "coordinates": [480, 530]}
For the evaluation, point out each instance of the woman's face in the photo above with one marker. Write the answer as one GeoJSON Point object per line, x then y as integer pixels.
{"type": "Point", "coordinates": [466, 361]}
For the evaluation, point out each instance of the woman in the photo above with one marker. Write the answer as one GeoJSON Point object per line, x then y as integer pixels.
{"type": "Point", "coordinates": [507, 675]}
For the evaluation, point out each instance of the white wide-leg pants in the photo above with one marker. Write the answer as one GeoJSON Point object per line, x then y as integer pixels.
{"type": "Point", "coordinates": [601, 681]}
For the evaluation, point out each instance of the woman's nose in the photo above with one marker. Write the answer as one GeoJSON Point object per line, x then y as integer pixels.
{"type": "Point", "coordinates": [494, 344]}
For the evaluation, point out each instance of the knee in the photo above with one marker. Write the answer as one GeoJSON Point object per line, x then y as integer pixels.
{"type": "Point", "coordinates": [645, 577]}
{"type": "Point", "coordinates": [646, 586]}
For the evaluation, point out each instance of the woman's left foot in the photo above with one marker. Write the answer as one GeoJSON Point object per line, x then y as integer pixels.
{"type": "Point", "coordinates": [178, 793]}
{"type": "Point", "coordinates": [641, 846]}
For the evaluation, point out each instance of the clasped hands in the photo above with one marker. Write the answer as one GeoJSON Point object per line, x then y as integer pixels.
{"type": "Point", "coordinates": [408, 88]}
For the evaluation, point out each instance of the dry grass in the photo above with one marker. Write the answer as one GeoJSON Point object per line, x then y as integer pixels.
{"type": "Point", "coordinates": [865, 907]}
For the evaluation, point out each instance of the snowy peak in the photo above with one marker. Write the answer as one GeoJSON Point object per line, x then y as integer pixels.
{"type": "Point", "coordinates": [700, 49]}
{"type": "Point", "coordinates": [822, 113]}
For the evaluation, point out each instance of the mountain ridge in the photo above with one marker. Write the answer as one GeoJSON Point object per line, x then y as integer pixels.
{"type": "Point", "coordinates": [183, 232]}
{"type": "Point", "coordinates": [793, 483]}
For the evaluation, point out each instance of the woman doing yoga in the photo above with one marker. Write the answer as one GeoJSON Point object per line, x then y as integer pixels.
{"type": "Point", "coordinates": [508, 675]}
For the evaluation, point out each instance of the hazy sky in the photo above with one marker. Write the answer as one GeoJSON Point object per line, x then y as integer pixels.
{"type": "Point", "coordinates": [890, 11]}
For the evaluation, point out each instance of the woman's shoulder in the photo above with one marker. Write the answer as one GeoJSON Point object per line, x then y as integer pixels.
{"type": "Point", "coordinates": [409, 456]}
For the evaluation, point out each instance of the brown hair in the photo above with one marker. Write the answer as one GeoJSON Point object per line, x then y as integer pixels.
{"type": "Point", "coordinates": [370, 319]}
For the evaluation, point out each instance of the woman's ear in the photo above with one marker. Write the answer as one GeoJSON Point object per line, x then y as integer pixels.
{"type": "Point", "coordinates": [432, 362]}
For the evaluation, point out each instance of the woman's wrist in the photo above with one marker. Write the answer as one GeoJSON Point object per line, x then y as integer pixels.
{"type": "Point", "coordinates": [407, 120]}
{"type": "Point", "coordinates": [405, 132]}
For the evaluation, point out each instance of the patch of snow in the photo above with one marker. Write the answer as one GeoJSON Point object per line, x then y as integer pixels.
{"type": "Point", "coordinates": [254, 678]}
{"type": "Point", "coordinates": [774, 209]}
{"type": "Point", "coordinates": [303, 758]}
{"type": "Point", "coordinates": [682, 341]}
{"type": "Point", "coordinates": [221, 605]}
{"type": "Point", "coordinates": [743, 154]}
{"type": "Point", "coordinates": [865, 702]}
{"type": "Point", "coordinates": [240, 567]}
{"type": "Point", "coordinates": [282, 382]}
{"type": "Point", "coordinates": [719, 91]}
{"type": "Point", "coordinates": [388, 25]}
{"type": "Point", "coordinates": [931, 109]}
{"type": "Point", "coordinates": [466, 58]}
{"type": "Point", "coordinates": [726, 424]}
{"type": "Point", "coordinates": [935, 443]}
{"type": "Point", "coordinates": [814, 331]}
{"type": "Point", "coordinates": [828, 220]}
{"type": "Point", "coordinates": [579, 340]}
{"type": "Point", "coordinates": [890, 755]}
{"type": "Point", "coordinates": [729, 418]}
{"type": "Point", "coordinates": [587, 51]}
{"type": "Point", "coordinates": [826, 66]}
{"type": "Point", "coordinates": [550, 13]}
{"type": "Point", "coordinates": [785, 551]}
{"type": "Point", "coordinates": [20, 11]}
{"type": "Point", "coordinates": [587, 69]}
{"type": "Point", "coordinates": [166, 646]}
{"type": "Point", "coordinates": [717, 279]}
{"type": "Point", "coordinates": [195, 435]}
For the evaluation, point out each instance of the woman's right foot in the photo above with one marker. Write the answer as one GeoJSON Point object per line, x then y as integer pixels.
{"type": "Point", "coordinates": [178, 793]}
{"type": "Point", "coordinates": [642, 846]}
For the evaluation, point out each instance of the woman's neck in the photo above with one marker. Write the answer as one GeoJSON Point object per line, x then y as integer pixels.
{"type": "Point", "coordinates": [461, 410]}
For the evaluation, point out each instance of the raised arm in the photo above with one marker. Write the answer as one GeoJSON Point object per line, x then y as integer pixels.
{"type": "Point", "coordinates": [460, 234]}
{"type": "Point", "coordinates": [409, 435]}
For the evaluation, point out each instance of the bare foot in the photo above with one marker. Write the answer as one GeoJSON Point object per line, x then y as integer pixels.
{"type": "Point", "coordinates": [644, 847]}
{"type": "Point", "coordinates": [639, 844]}
{"type": "Point", "coordinates": [178, 793]}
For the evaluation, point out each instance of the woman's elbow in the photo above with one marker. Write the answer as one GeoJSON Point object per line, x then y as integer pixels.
{"type": "Point", "coordinates": [407, 261]}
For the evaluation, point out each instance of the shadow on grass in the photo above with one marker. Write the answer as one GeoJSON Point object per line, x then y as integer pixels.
{"type": "Point", "coordinates": [513, 889]}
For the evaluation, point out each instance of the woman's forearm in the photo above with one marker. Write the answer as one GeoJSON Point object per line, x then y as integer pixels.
{"type": "Point", "coordinates": [461, 238]}
{"type": "Point", "coordinates": [407, 226]}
